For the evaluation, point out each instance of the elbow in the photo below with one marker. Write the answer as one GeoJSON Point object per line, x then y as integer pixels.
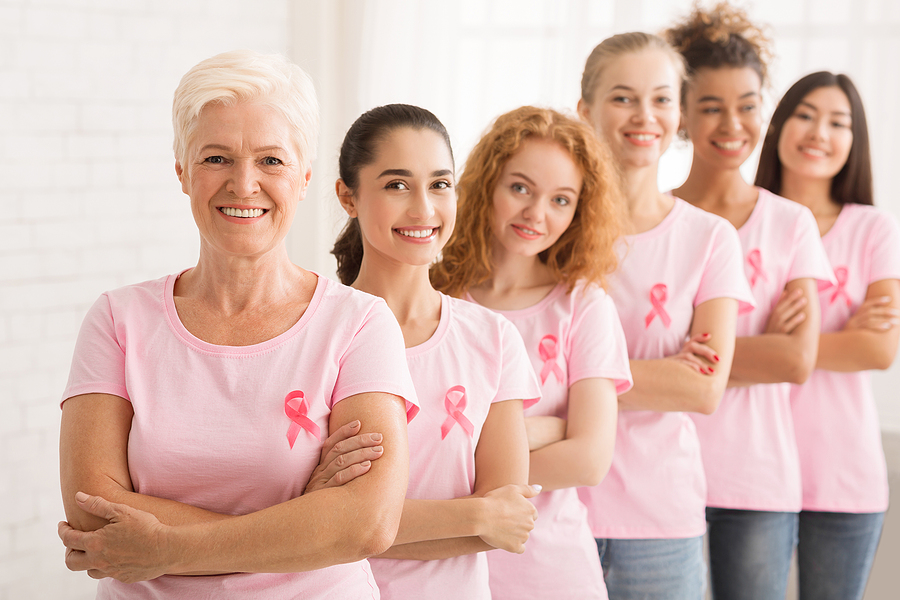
{"type": "Point", "coordinates": [800, 369]}
{"type": "Point", "coordinates": [709, 395]}
{"type": "Point", "coordinates": [595, 475]}
{"type": "Point", "coordinates": [882, 361]}
{"type": "Point", "coordinates": [378, 541]}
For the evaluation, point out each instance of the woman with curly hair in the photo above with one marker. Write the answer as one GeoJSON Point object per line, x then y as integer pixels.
{"type": "Point", "coordinates": [677, 290]}
{"type": "Point", "coordinates": [816, 153]}
{"type": "Point", "coordinates": [537, 221]}
{"type": "Point", "coordinates": [749, 448]}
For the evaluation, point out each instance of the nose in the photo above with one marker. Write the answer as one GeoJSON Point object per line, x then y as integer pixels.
{"type": "Point", "coordinates": [643, 112]}
{"type": "Point", "coordinates": [820, 130]}
{"type": "Point", "coordinates": [421, 206]}
{"type": "Point", "coordinates": [244, 181]}
{"type": "Point", "coordinates": [534, 211]}
{"type": "Point", "coordinates": [731, 121]}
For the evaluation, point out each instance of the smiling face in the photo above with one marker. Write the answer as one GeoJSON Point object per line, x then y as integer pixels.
{"type": "Point", "coordinates": [406, 199]}
{"type": "Point", "coordinates": [635, 107]}
{"type": "Point", "coordinates": [816, 139]}
{"type": "Point", "coordinates": [722, 116]}
{"type": "Point", "coordinates": [535, 197]}
{"type": "Point", "coordinates": [244, 176]}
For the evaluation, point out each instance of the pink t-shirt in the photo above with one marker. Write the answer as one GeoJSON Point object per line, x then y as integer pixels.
{"type": "Point", "coordinates": [749, 449]}
{"type": "Point", "coordinates": [838, 436]}
{"type": "Point", "coordinates": [211, 425]}
{"type": "Point", "coordinates": [569, 337]}
{"type": "Point", "coordinates": [656, 487]}
{"type": "Point", "coordinates": [475, 358]}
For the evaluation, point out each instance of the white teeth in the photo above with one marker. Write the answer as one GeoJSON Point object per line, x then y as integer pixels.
{"type": "Point", "coordinates": [243, 213]}
{"type": "Point", "coordinates": [529, 231]}
{"type": "Point", "coordinates": [642, 137]}
{"type": "Point", "coordinates": [730, 145]}
{"type": "Point", "coordinates": [416, 233]}
{"type": "Point", "coordinates": [814, 151]}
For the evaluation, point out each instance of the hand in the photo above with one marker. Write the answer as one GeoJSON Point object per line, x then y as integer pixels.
{"type": "Point", "coordinates": [874, 314]}
{"type": "Point", "coordinates": [509, 517]}
{"type": "Point", "coordinates": [788, 312]}
{"type": "Point", "coordinates": [543, 431]}
{"type": "Point", "coordinates": [345, 456]}
{"type": "Point", "coordinates": [129, 548]}
{"type": "Point", "coordinates": [697, 355]}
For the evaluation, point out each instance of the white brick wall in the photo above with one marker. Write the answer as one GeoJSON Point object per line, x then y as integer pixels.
{"type": "Point", "coordinates": [91, 202]}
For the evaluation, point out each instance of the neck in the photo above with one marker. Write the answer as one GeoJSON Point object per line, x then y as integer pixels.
{"type": "Point", "coordinates": [514, 272]}
{"type": "Point", "coordinates": [708, 185]}
{"type": "Point", "coordinates": [406, 289]}
{"type": "Point", "coordinates": [647, 207]}
{"type": "Point", "coordinates": [814, 194]}
{"type": "Point", "coordinates": [232, 284]}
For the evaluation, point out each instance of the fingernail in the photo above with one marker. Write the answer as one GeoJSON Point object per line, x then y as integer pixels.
{"type": "Point", "coordinates": [705, 335]}
{"type": "Point", "coordinates": [81, 496]}
{"type": "Point", "coordinates": [537, 487]}
{"type": "Point", "coordinates": [711, 370]}
{"type": "Point", "coordinates": [716, 356]}
{"type": "Point", "coordinates": [378, 448]}
{"type": "Point", "coordinates": [366, 464]}
{"type": "Point", "coordinates": [355, 424]}
{"type": "Point", "coordinates": [377, 437]}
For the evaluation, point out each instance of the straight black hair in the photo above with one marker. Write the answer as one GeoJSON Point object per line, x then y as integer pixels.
{"type": "Point", "coordinates": [853, 183]}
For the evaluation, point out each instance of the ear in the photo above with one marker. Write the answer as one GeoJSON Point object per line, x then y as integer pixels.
{"type": "Point", "coordinates": [584, 111]}
{"type": "Point", "coordinates": [182, 177]}
{"type": "Point", "coordinates": [304, 185]}
{"type": "Point", "coordinates": [346, 198]}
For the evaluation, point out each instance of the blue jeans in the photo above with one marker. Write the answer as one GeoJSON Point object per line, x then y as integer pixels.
{"type": "Point", "coordinates": [671, 569]}
{"type": "Point", "coordinates": [835, 554]}
{"type": "Point", "coordinates": [750, 553]}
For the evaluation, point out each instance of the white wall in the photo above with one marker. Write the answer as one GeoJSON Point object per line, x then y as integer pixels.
{"type": "Point", "coordinates": [91, 202]}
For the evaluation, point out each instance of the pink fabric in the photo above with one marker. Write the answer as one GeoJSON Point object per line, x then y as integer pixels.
{"type": "Point", "coordinates": [656, 487]}
{"type": "Point", "coordinates": [836, 423]}
{"type": "Point", "coordinates": [210, 427]}
{"type": "Point", "coordinates": [560, 559]}
{"type": "Point", "coordinates": [749, 449]}
{"type": "Point", "coordinates": [481, 353]}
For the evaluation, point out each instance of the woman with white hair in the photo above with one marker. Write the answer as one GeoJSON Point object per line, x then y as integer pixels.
{"type": "Point", "coordinates": [199, 405]}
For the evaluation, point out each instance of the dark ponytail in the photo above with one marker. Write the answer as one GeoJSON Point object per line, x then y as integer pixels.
{"type": "Point", "coordinates": [357, 151]}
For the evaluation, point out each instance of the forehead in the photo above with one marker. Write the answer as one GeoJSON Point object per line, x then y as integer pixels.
{"type": "Point", "coordinates": [545, 159]}
{"type": "Point", "coordinates": [243, 126]}
{"type": "Point", "coordinates": [725, 82]}
{"type": "Point", "coordinates": [422, 148]}
{"type": "Point", "coordinates": [828, 99]}
{"type": "Point", "coordinates": [645, 69]}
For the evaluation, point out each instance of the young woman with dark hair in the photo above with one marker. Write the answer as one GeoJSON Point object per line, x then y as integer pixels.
{"type": "Point", "coordinates": [749, 449]}
{"type": "Point", "coordinates": [816, 153]}
{"type": "Point", "coordinates": [468, 449]}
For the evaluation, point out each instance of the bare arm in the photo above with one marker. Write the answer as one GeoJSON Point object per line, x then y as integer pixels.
{"type": "Point", "coordinates": [671, 384]}
{"type": "Point", "coordinates": [781, 357]}
{"type": "Point", "coordinates": [869, 339]}
{"type": "Point", "coordinates": [332, 526]}
{"type": "Point", "coordinates": [497, 514]}
{"type": "Point", "coordinates": [583, 457]}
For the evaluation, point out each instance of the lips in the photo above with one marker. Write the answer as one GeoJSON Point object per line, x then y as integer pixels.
{"type": "Point", "coordinates": [526, 232]}
{"type": "Point", "coordinates": [242, 213]}
{"type": "Point", "coordinates": [813, 152]}
{"type": "Point", "coordinates": [422, 234]}
{"type": "Point", "coordinates": [729, 146]}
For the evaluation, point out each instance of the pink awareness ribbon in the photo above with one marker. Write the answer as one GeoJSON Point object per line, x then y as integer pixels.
{"type": "Point", "coordinates": [754, 259]}
{"type": "Point", "coordinates": [296, 407]}
{"type": "Point", "coordinates": [455, 404]}
{"type": "Point", "coordinates": [841, 275]}
{"type": "Point", "coordinates": [548, 349]}
{"type": "Point", "coordinates": [658, 297]}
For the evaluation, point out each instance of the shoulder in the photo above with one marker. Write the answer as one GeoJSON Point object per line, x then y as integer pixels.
{"type": "Point", "coordinates": [872, 217]}
{"type": "Point", "coordinates": [780, 209]}
{"type": "Point", "coordinates": [473, 317]}
{"type": "Point", "coordinates": [346, 302]}
{"type": "Point", "coordinates": [697, 221]}
{"type": "Point", "coordinates": [143, 296]}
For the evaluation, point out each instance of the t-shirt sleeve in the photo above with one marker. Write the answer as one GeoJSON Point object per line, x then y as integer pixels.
{"type": "Point", "coordinates": [98, 363]}
{"type": "Point", "coordinates": [375, 361]}
{"type": "Point", "coordinates": [517, 378]}
{"type": "Point", "coordinates": [597, 345]}
{"type": "Point", "coordinates": [884, 249]}
{"type": "Point", "coordinates": [810, 259]}
{"type": "Point", "coordinates": [723, 274]}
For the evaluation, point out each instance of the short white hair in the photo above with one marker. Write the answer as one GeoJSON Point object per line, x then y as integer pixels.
{"type": "Point", "coordinates": [247, 76]}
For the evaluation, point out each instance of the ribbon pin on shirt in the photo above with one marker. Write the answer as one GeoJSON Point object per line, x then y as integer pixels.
{"type": "Point", "coordinates": [455, 404]}
{"type": "Point", "coordinates": [548, 349]}
{"type": "Point", "coordinates": [841, 275]}
{"type": "Point", "coordinates": [296, 408]}
{"type": "Point", "coordinates": [658, 297]}
{"type": "Point", "coordinates": [754, 259]}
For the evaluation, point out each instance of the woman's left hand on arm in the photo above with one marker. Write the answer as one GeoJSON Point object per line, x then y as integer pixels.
{"type": "Point", "coordinates": [345, 456]}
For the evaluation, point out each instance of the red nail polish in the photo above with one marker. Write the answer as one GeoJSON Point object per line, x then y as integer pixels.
{"type": "Point", "coordinates": [716, 356]}
{"type": "Point", "coordinates": [711, 370]}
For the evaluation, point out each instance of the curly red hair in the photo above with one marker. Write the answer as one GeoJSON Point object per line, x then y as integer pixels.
{"type": "Point", "coordinates": [585, 250]}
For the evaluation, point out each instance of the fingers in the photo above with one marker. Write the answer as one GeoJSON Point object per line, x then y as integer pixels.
{"type": "Point", "coordinates": [343, 433]}
{"type": "Point", "coordinates": [530, 491]}
{"type": "Point", "coordinates": [347, 446]}
{"type": "Point", "coordinates": [71, 538]}
{"type": "Point", "coordinates": [97, 506]}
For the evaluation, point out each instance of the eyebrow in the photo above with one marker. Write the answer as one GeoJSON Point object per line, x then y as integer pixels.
{"type": "Point", "coordinates": [630, 89]}
{"type": "Point", "coordinates": [834, 112]}
{"type": "Point", "coordinates": [408, 173]}
{"type": "Point", "coordinates": [531, 181]}
{"type": "Point", "coordinates": [229, 149]}
{"type": "Point", "coordinates": [717, 99]}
